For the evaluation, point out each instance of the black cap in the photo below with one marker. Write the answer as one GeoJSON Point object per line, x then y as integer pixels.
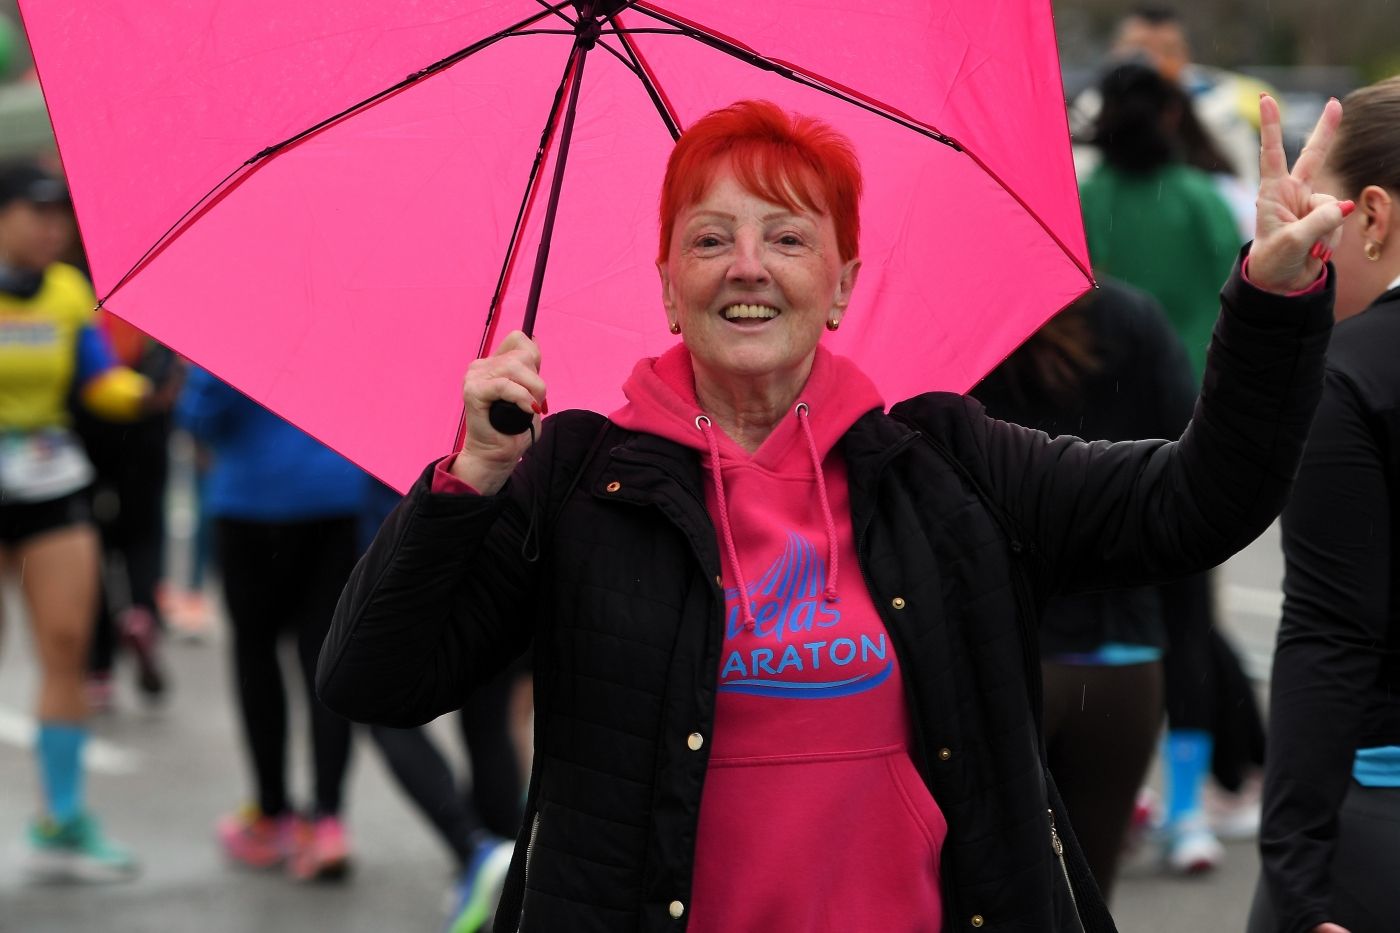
{"type": "Point", "coordinates": [31, 183]}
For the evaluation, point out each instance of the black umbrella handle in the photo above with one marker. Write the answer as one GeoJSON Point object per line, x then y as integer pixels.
{"type": "Point", "coordinates": [510, 418]}
{"type": "Point", "coordinates": [506, 417]}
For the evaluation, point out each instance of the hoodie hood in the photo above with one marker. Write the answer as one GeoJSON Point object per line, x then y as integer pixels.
{"type": "Point", "coordinates": [661, 400]}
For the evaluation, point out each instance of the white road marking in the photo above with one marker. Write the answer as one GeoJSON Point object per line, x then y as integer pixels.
{"type": "Point", "coordinates": [100, 756]}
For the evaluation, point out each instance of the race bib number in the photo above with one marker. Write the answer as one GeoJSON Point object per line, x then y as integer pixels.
{"type": "Point", "coordinates": [41, 465]}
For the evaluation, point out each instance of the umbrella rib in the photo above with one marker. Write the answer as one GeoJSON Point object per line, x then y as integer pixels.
{"type": "Point", "coordinates": [531, 188]}
{"type": "Point", "coordinates": [856, 99]}
{"type": "Point", "coordinates": [417, 76]}
{"type": "Point", "coordinates": [558, 10]}
{"type": "Point", "coordinates": [643, 73]}
{"type": "Point", "coordinates": [791, 73]}
{"type": "Point", "coordinates": [209, 198]}
{"type": "Point", "coordinates": [569, 32]}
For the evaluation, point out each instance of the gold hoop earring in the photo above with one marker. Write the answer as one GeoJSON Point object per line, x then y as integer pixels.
{"type": "Point", "coordinates": [833, 323]}
{"type": "Point", "coordinates": [675, 327]}
{"type": "Point", "coordinates": [1372, 249]}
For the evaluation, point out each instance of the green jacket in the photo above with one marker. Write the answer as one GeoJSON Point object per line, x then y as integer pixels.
{"type": "Point", "coordinates": [1171, 234]}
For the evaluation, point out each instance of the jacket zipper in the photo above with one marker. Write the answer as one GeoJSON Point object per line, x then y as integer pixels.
{"type": "Point", "coordinates": [1059, 848]}
{"type": "Point", "coordinates": [525, 878]}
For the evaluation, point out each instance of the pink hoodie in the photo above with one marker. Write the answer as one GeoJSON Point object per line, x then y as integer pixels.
{"type": "Point", "coordinates": [813, 816]}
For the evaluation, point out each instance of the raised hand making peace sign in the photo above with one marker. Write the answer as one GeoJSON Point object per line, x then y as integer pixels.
{"type": "Point", "coordinates": [1296, 227]}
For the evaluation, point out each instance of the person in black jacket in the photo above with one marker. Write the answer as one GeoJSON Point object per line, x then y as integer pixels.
{"type": "Point", "coordinates": [1109, 367]}
{"type": "Point", "coordinates": [1330, 839]}
{"type": "Point", "coordinates": [668, 661]}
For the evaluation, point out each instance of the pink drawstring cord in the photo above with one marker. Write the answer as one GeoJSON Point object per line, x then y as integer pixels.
{"type": "Point", "coordinates": [802, 412]}
{"type": "Point", "coordinates": [703, 423]}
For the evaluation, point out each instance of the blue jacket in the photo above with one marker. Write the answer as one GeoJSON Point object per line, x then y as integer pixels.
{"type": "Point", "coordinates": [264, 469]}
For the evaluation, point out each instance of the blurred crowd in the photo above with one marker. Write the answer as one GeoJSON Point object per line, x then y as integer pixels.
{"type": "Point", "coordinates": [1167, 154]}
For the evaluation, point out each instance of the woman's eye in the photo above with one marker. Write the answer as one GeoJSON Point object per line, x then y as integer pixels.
{"type": "Point", "coordinates": [790, 239]}
{"type": "Point", "coordinates": [707, 242]}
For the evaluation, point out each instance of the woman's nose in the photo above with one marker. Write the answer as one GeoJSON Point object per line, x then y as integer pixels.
{"type": "Point", "coordinates": [747, 264]}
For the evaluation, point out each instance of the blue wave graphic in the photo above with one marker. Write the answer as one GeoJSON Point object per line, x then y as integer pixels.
{"type": "Point", "coordinates": [808, 691]}
{"type": "Point", "coordinates": [798, 573]}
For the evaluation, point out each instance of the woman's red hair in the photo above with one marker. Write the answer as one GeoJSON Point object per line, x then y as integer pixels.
{"type": "Point", "coordinates": [792, 160]}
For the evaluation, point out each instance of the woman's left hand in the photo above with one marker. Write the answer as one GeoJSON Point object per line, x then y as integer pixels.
{"type": "Point", "coordinates": [1295, 226]}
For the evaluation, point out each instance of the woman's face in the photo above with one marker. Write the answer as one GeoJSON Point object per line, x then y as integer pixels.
{"type": "Point", "coordinates": [752, 284]}
{"type": "Point", "coordinates": [34, 236]}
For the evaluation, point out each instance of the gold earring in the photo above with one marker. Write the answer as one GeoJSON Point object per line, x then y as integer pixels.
{"type": "Point", "coordinates": [833, 323]}
{"type": "Point", "coordinates": [1372, 250]}
{"type": "Point", "coordinates": [675, 327]}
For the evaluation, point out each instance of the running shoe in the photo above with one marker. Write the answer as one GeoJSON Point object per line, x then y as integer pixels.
{"type": "Point", "coordinates": [141, 635]}
{"type": "Point", "coordinates": [257, 841]}
{"type": "Point", "coordinates": [479, 890]}
{"type": "Point", "coordinates": [1190, 848]}
{"type": "Point", "coordinates": [322, 852]}
{"type": "Point", "coordinates": [1236, 817]}
{"type": "Point", "coordinates": [76, 851]}
{"type": "Point", "coordinates": [1147, 813]}
{"type": "Point", "coordinates": [189, 614]}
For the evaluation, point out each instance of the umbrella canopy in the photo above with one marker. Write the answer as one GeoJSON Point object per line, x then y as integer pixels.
{"type": "Point", "coordinates": [321, 201]}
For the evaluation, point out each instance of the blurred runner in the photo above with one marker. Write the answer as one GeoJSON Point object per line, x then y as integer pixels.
{"type": "Point", "coordinates": [1161, 225]}
{"type": "Point", "coordinates": [477, 823]}
{"type": "Point", "coordinates": [49, 345]}
{"type": "Point", "coordinates": [285, 509]}
{"type": "Point", "coordinates": [132, 462]}
{"type": "Point", "coordinates": [1106, 368]}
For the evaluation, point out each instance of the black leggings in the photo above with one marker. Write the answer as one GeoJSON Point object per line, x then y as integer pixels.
{"type": "Point", "coordinates": [1365, 865]}
{"type": "Point", "coordinates": [1101, 727]}
{"type": "Point", "coordinates": [492, 801]}
{"type": "Point", "coordinates": [1207, 688]}
{"type": "Point", "coordinates": [282, 577]}
{"type": "Point", "coordinates": [132, 466]}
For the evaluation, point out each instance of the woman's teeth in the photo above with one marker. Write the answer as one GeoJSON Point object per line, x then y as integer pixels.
{"type": "Point", "coordinates": [760, 312]}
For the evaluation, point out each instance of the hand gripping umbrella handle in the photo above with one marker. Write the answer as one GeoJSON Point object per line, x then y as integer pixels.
{"type": "Point", "coordinates": [506, 417]}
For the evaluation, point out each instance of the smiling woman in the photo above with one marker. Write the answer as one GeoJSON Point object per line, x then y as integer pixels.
{"type": "Point", "coordinates": [751, 289]}
{"type": "Point", "coordinates": [753, 582]}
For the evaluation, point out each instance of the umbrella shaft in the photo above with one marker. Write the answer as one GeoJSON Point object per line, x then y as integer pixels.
{"type": "Point", "coordinates": [546, 234]}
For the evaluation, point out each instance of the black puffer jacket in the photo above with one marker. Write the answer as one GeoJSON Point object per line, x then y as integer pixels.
{"type": "Point", "coordinates": [964, 527]}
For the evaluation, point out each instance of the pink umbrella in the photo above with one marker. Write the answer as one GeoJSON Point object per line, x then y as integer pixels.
{"type": "Point", "coordinates": [334, 204]}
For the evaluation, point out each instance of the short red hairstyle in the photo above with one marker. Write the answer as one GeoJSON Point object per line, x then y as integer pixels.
{"type": "Point", "coordinates": [796, 161]}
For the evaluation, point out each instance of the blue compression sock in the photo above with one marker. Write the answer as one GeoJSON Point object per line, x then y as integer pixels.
{"type": "Point", "coordinates": [1187, 753]}
{"type": "Point", "coordinates": [60, 750]}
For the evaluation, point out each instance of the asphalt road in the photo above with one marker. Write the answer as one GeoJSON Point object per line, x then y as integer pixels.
{"type": "Point", "coordinates": [160, 776]}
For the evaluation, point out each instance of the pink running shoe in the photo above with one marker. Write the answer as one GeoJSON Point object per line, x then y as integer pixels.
{"type": "Point", "coordinates": [323, 853]}
{"type": "Point", "coordinates": [141, 635]}
{"type": "Point", "coordinates": [258, 841]}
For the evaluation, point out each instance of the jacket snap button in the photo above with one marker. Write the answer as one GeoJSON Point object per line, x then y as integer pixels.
{"type": "Point", "coordinates": [676, 910]}
{"type": "Point", "coordinates": [695, 741]}
{"type": "Point", "coordinates": [719, 581]}
{"type": "Point", "coordinates": [614, 486]}
{"type": "Point", "coordinates": [977, 920]}
{"type": "Point", "coordinates": [898, 602]}
{"type": "Point", "coordinates": [944, 754]}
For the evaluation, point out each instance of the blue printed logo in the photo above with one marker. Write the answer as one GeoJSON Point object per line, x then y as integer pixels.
{"type": "Point", "coordinates": [785, 655]}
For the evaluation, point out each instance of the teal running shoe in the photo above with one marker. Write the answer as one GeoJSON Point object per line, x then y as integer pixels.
{"type": "Point", "coordinates": [76, 852]}
{"type": "Point", "coordinates": [479, 890]}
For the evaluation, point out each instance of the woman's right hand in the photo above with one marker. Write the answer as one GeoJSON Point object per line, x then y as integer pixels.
{"type": "Point", "coordinates": [511, 374]}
